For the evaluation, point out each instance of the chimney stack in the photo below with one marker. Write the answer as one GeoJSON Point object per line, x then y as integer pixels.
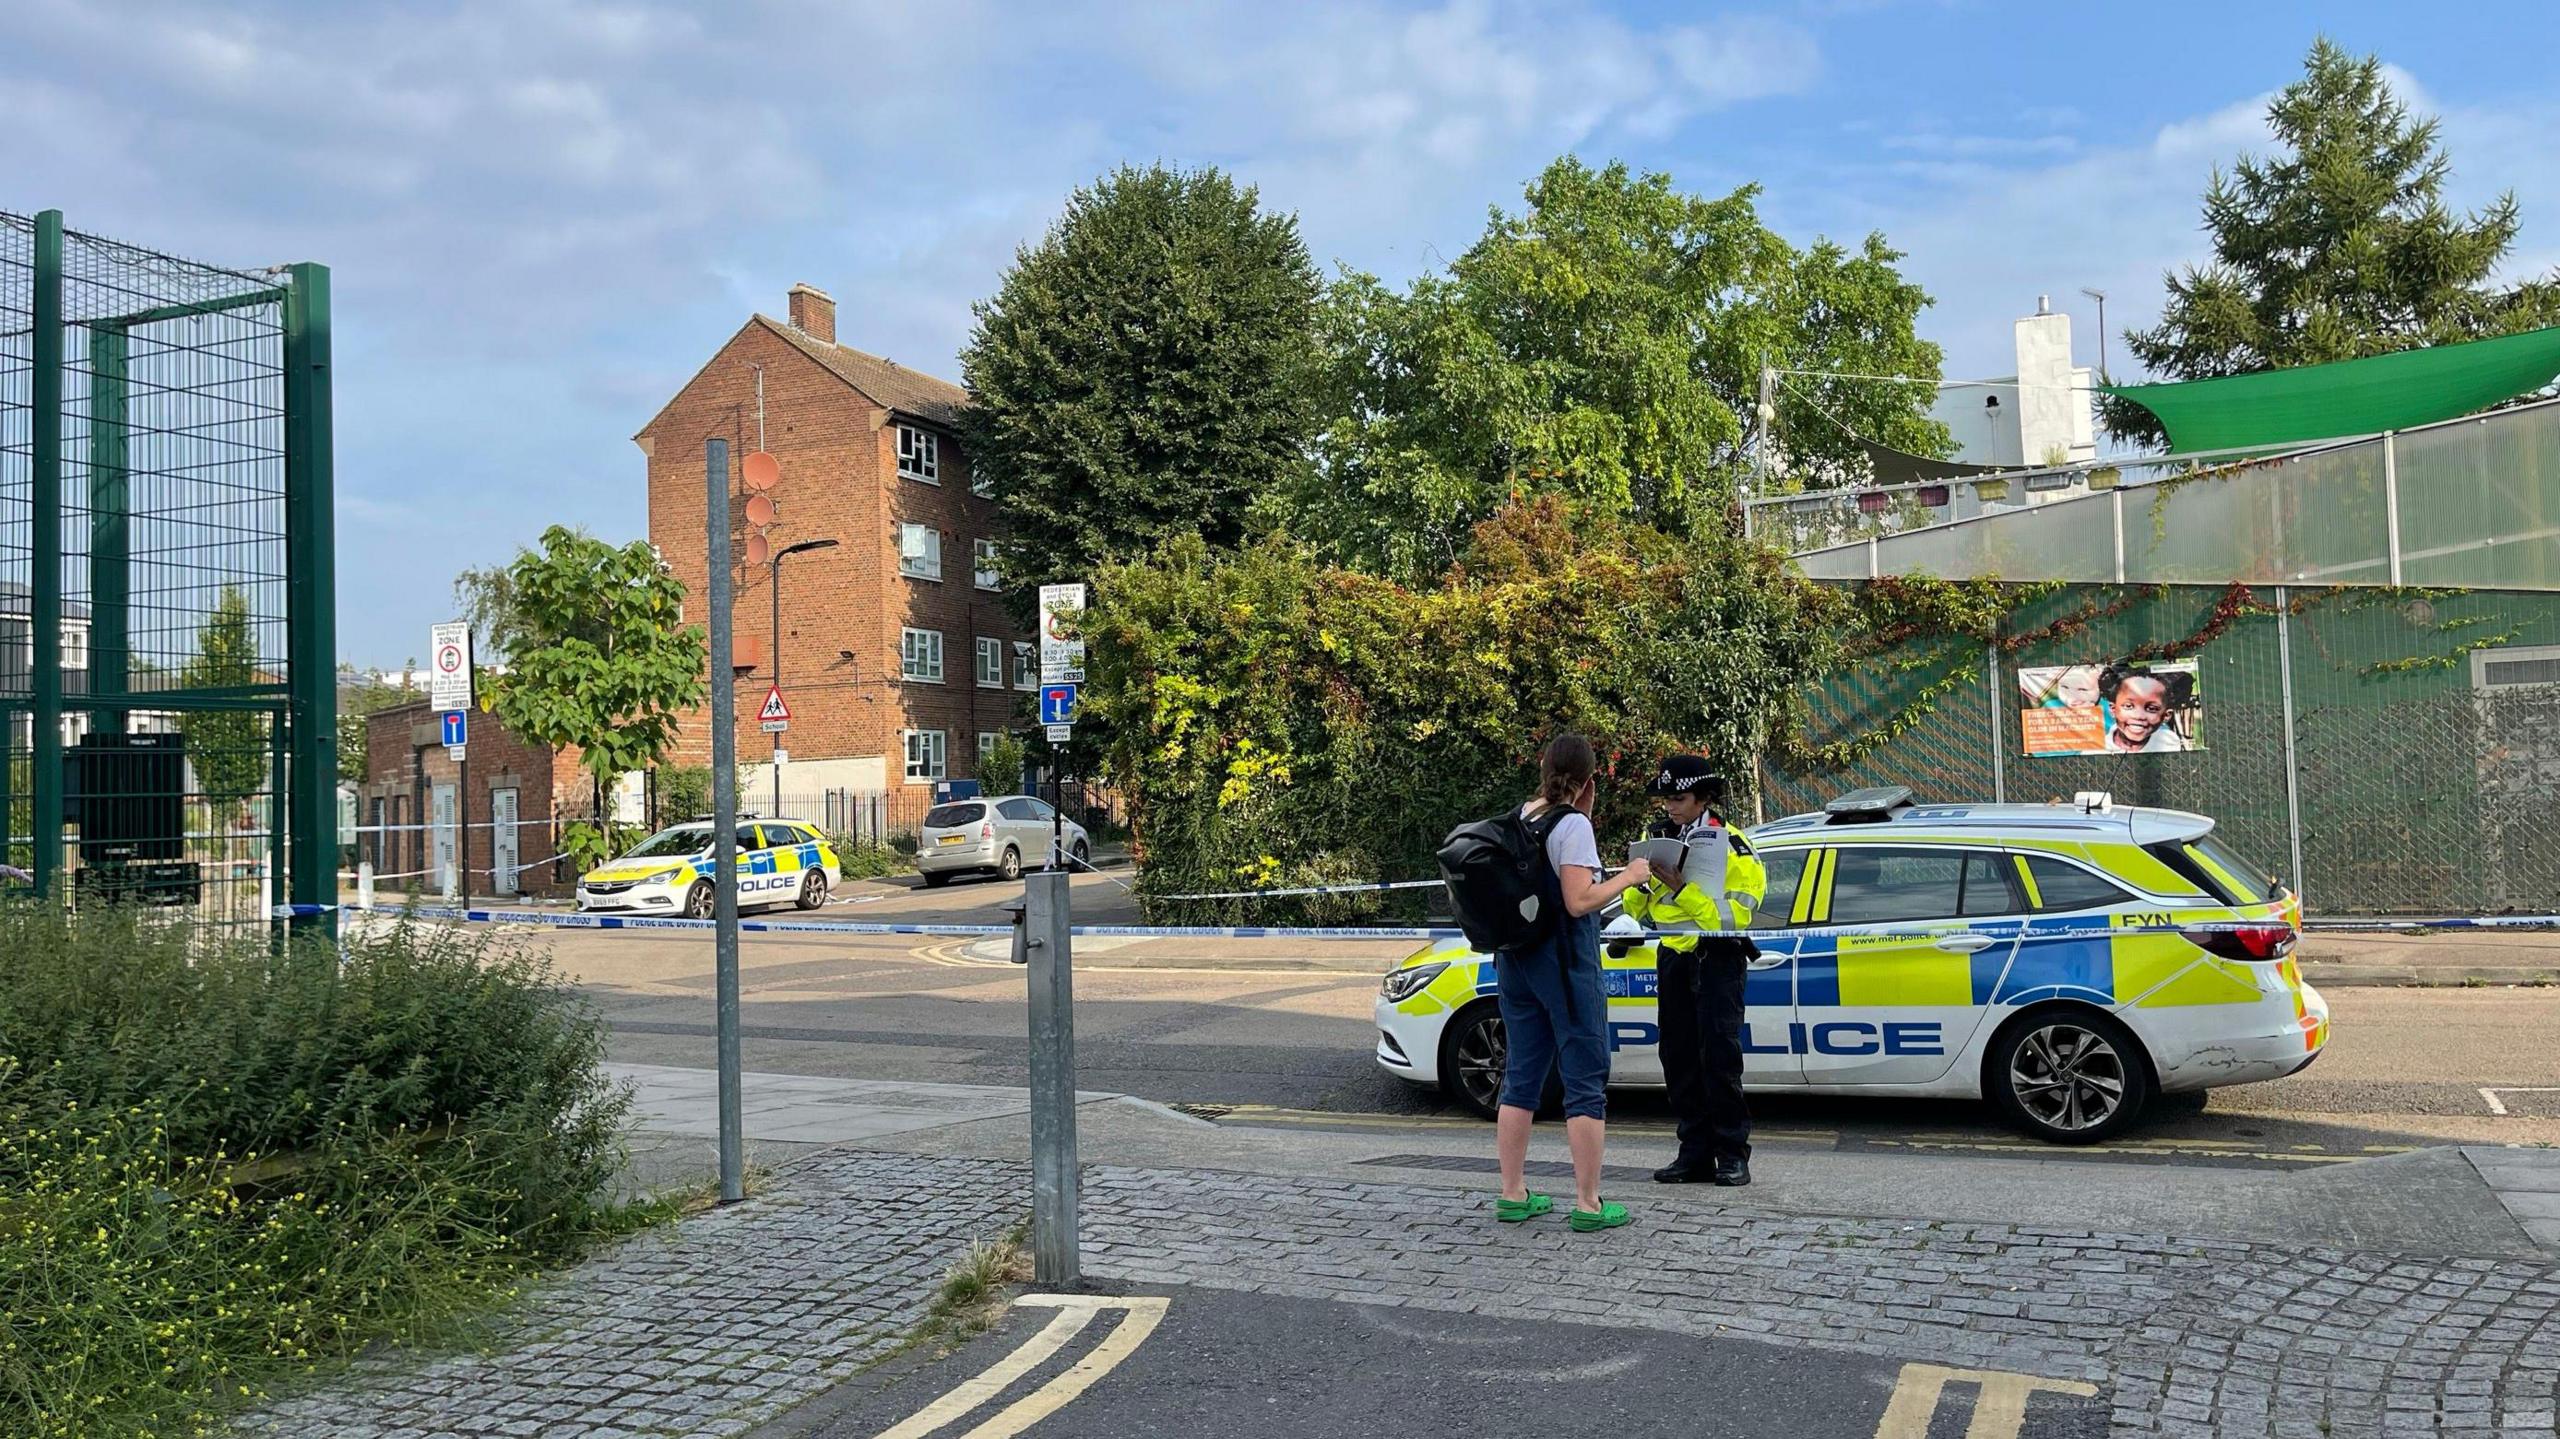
{"type": "Point", "coordinates": [813, 313]}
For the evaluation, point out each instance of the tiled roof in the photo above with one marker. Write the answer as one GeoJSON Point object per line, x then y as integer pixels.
{"type": "Point", "coordinates": [889, 384]}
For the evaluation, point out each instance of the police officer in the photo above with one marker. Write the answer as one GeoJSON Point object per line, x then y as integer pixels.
{"type": "Point", "coordinates": [1701, 979]}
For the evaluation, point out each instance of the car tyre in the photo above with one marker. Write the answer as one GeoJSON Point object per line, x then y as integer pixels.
{"type": "Point", "coordinates": [697, 900]}
{"type": "Point", "coordinates": [1082, 854]}
{"type": "Point", "coordinates": [813, 890]}
{"type": "Point", "coordinates": [1010, 867]}
{"type": "Point", "coordinates": [2068, 1075]}
{"type": "Point", "coordinates": [1472, 1052]}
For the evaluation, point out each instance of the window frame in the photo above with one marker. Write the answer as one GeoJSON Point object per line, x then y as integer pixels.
{"type": "Point", "coordinates": [986, 742]}
{"type": "Point", "coordinates": [988, 648]}
{"type": "Point", "coordinates": [2481, 659]}
{"type": "Point", "coordinates": [924, 466]}
{"type": "Point", "coordinates": [908, 665]}
{"type": "Point", "coordinates": [1831, 883]}
{"type": "Point", "coordinates": [983, 571]}
{"type": "Point", "coordinates": [937, 758]}
{"type": "Point", "coordinates": [934, 536]}
{"type": "Point", "coordinates": [1026, 665]}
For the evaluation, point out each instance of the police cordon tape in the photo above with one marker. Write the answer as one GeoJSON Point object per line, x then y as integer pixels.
{"type": "Point", "coordinates": [2059, 926]}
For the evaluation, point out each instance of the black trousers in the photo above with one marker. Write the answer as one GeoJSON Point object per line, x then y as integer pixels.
{"type": "Point", "coordinates": [1701, 1016]}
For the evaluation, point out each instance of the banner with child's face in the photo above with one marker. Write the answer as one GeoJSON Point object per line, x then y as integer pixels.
{"type": "Point", "coordinates": [2129, 708]}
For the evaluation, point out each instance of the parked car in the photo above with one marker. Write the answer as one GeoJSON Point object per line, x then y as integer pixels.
{"type": "Point", "coordinates": [993, 836]}
{"type": "Point", "coordinates": [779, 862]}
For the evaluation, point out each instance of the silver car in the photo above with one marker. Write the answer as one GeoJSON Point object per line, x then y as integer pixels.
{"type": "Point", "coordinates": [993, 836]}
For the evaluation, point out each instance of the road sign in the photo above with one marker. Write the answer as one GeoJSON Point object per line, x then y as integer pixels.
{"type": "Point", "coordinates": [457, 728]}
{"type": "Point", "coordinates": [449, 666]}
{"type": "Point", "coordinates": [1061, 733]}
{"type": "Point", "coordinates": [453, 752]}
{"type": "Point", "coordinates": [1057, 704]}
{"type": "Point", "coordinates": [782, 756]}
{"type": "Point", "coordinates": [775, 717]}
{"type": "Point", "coordinates": [1061, 658]}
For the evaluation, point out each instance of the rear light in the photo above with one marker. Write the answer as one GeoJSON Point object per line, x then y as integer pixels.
{"type": "Point", "coordinates": [986, 831]}
{"type": "Point", "coordinates": [2261, 942]}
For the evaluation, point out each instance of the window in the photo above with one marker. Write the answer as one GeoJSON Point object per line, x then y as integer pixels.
{"type": "Point", "coordinates": [925, 759]}
{"type": "Point", "coordinates": [1023, 809]}
{"type": "Point", "coordinates": [1987, 890]}
{"type": "Point", "coordinates": [75, 647]}
{"type": "Point", "coordinates": [920, 655]}
{"type": "Point", "coordinates": [952, 816]}
{"type": "Point", "coordinates": [987, 576]}
{"type": "Point", "coordinates": [1026, 666]}
{"type": "Point", "coordinates": [1880, 886]}
{"type": "Point", "coordinates": [920, 552]}
{"type": "Point", "coordinates": [1786, 873]}
{"type": "Point", "coordinates": [986, 746]}
{"type": "Point", "coordinates": [919, 455]}
{"type": "Point", "coordinates": [990, 670]}
{"type": "Point", "coordinates": [2498, 668]}
{"type": "Point", "coordinates": [2054, 886]}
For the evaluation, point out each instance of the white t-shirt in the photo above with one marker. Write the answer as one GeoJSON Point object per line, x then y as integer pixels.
{"type": "Point", "coordinates": [1571, 841]}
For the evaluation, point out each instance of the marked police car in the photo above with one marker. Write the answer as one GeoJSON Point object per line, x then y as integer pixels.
{"type": "Point", "coordinates": [2067, 962]}
{"type": "Point", "coordinates": [780, 861]}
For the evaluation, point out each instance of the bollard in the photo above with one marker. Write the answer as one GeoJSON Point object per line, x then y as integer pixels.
{"type": "Point", "coordinates": [1055, 1179]}
{"type": "Point", "coordinates": [364, 884]}
{"type": "Point", "coordinates": [1013, 915]}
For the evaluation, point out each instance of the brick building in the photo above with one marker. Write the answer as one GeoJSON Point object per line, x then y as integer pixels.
{"type": "Point", "coordinates": [410, 782]}
{"type": "Point", "coordinates": [899, 660]}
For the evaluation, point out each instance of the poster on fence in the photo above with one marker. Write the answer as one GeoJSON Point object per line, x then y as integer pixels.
{"type": "Point", "coordinates": [2110, 708]}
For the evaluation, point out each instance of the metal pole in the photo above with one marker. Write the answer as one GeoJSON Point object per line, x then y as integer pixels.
{"type": "Point", "coordinates": [462, 829]}
{"type": "Point", "coordinates": [1055, 1178]}
{"type": "Point", "coordinates": [773, 582]}
{"type": "Point", "coordinates": [311, 592]}
{"type": "Point", "coordinates": [2391, 502]}
{"type": "Point", "coordinates": [44, 600]}
{"type": "Point", "coordinates": [724, 818]}
{"type": "Point", "coordinates": [1999, 741]}
{"type": "Point", "coordinates": [2292, 771]}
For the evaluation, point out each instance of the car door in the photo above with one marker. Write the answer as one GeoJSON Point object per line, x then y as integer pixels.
{"type": "Point", "coordinates": [1634, 984]}
{"type": "Point", "coordinates": [1024, 827]}
{"type": "Point", "coordinates": [1921, 936]}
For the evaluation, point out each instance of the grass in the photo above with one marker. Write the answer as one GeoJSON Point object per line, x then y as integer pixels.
{"type": "Point", "coordinates": [975, 1293]}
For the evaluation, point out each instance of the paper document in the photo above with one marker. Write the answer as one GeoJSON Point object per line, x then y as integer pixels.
{"type": "Point", "coordinates": [1699, 861]}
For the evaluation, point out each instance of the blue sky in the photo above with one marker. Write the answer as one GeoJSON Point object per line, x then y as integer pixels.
{"type": "Point", "coordinates": [543, 216]}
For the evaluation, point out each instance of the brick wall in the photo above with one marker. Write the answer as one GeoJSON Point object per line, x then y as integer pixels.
{"type": "Point", "coordinates": [844, 608]}
{"type": "Point", "coordinates": [405, 762]}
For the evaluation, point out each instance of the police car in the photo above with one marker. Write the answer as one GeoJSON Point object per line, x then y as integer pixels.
{"type": "Point", "coordinates": [2070, 963]}
{"type": "Point", "coordinates": [780, 861]}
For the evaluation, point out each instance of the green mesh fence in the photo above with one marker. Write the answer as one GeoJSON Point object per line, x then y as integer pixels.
{"type": "Point", "coordinates": [2426, 734]}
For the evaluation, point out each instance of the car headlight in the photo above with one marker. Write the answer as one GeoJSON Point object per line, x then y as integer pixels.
{"type": "Point", "coordinates": [1404, 984]}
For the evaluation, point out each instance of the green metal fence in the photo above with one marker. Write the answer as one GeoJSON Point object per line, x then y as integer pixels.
{"type": "Point", "coordinates": [167, 622]}
{"type": "Point", "coordinates": [2423, 774]}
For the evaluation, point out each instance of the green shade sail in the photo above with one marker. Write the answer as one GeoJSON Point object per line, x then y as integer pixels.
{"type": "Point", "coordinates": [2349, 397]}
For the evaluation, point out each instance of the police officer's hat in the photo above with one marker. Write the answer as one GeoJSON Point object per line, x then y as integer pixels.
{"type": "Point", "coordinates": [1687, 774]}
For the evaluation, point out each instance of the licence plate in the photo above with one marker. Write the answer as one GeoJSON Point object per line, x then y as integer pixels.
{"type": "Point", "coordinates": [953, 839]}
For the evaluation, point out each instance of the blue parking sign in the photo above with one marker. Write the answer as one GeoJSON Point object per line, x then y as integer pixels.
{"type": "Point", "coordinates": [1058, 704]}
{"type": "Point", "coordinates": [455, 726]}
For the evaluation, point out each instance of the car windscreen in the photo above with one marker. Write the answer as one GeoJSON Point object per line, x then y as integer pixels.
{"type": "Point", "coordinates": [676, 843]}
{"type": "Point", "coordinates": [949, 816]}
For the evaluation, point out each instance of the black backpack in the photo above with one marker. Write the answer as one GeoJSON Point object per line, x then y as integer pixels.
{"type": "Point", "coordinates": [1493, 868]}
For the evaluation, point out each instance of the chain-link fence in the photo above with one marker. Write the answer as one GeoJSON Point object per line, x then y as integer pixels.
{"type": "Point", "coordinates": [2425, 732]}
{"type": "Point", "coordinates": [166, 621]}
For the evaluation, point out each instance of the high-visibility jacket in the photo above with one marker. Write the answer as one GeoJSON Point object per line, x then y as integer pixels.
{"type": "Point", "coordinates": [1658, 905]}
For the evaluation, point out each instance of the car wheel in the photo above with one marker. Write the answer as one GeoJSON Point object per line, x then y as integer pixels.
{"type": "Point", "coordinates": [937, 881]}
{"type": "Point", "coordinates": [697, 900]}
{"type": "Point", "coordinates": [813, 890]}
{"type": "Point", "coordinates": [2068, 1076]}
{"type": "Point", "coordinates": [1010, 868]}
{"type": "Point", "coordinates": [1473, 1052]}
{"type": "Point", "coordinates": [1081, 854]}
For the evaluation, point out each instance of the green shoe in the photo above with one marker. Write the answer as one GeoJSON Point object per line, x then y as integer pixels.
{"type": "Point", "coordinates": [1608, 1216]}
{"type": "Point", "coordinates": [1512, 1211]}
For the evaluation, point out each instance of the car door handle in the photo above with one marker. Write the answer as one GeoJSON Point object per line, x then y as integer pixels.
{"type": "Point", "coordinates": [1964, 943]}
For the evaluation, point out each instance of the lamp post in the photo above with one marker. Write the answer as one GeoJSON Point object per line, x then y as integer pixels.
{"type": "Point", "coordinates": [774, 583]}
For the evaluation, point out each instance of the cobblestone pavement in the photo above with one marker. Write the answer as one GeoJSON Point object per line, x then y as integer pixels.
{"type": "Point", "coordinates": [739, 1313]}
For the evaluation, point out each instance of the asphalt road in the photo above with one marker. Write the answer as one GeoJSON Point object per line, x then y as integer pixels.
{"type": "Point", "coordinates": [1214, 1024]}
{"type": "Point", "coordinates": [1188, 1362]}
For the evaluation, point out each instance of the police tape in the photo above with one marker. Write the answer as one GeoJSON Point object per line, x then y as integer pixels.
{"type": "Point", "coordinates": [2058, 927]}
{"type": "Point", "coordinates": [1308, 889]}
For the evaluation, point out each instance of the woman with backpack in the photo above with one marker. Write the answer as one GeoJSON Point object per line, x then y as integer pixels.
{"type": "Point", "coordinates": [1555, 1012]}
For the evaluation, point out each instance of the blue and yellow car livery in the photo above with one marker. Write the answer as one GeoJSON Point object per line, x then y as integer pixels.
{"type": "Point", "coordinates": [779, 862]}
{"type": "Point", "coordinates": [2068, 962]}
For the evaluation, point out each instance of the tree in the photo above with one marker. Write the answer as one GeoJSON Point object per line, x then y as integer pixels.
{"type": "Point", "coordinates": [1143, 371]}
{"type": "Point", "coordinates": [359, 695]}
{"type": "Point", "coordinates": [1000, 773]}
{"type": "Point", "coordinates": [227, 748]}
{"type": "Point", "coordinates": [1605, 343]}
{"type": "Point", "coordinates": [487, 599]}
{"type": "Point", "coordinates": [2336, 247]}
{"type": "Point", "coordinates": [598, 660]}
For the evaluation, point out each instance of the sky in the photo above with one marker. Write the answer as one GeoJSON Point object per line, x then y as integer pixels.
{"type": "Point", "coordinates": [542, 216]}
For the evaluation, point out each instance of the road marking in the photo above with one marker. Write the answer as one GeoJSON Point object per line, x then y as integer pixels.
{"type": "Point", "coordinates": [2498, 1106]}
{"type": "Point", "coordinates": [1999, 1401]}
{"type": "Point", "coordinates": [1140, 1316]}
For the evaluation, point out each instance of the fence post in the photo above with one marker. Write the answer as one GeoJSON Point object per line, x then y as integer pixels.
{"type": "Point", "coordinates": [1055, 1180]}
{"type": "Point", "coordinates": [1999, 744]}
{"type": "Point", "coordinates": [2292, 770]}
{"type": "Point", "coordinates": [44, 565]}
{"type": "Point", "coordinates": [2391, 501]}
{"type": "Point", "coordinates": [308, 808]}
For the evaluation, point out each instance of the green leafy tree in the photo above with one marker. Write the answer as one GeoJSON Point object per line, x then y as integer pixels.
{"type": "Point", "coordinates": [360, 695]}
{"type": "Point", "coordinates": [1605, 343]}
{"type": "Point", "coordinates": [227, 748]}
{"type": "Point", "coordinates": [1143, 371]}
{"type": "Point", "coordinates": [1000, 773]}
{"type": "Point", "coordinates": [2336, 247]}
{"type": "Point", "coordinates": [487, 598]}
{"type": "Point", "coordinates": [599, 660]}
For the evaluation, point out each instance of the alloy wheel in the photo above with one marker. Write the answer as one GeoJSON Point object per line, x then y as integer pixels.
{"type": "Point", "coordinates": [1480, 1054]}
{"type": "Point", "coordinates": [2068, 1077]}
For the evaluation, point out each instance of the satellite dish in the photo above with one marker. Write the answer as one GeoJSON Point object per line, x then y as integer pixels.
{"type": "Point", "coordinates": [759, 549]}
{"type": "Point", "coordinates": [763, 471]}
{"type": "Point", "coordinates": [760, 509]}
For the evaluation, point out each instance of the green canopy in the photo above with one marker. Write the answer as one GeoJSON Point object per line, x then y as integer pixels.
{"type": "Point", "coordinates": [2349, 397]}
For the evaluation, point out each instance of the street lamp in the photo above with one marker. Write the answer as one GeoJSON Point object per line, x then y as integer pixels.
{"type": "Point", "coordinates": [2101, 297]}
{"type": "Point", "coordinates": [774, 583]}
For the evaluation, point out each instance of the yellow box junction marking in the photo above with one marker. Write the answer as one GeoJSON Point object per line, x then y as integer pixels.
{"type": "Point", "coordinates": [1140, 1316]}
{"type": "Point", "coordinates": [1999, 1401]}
